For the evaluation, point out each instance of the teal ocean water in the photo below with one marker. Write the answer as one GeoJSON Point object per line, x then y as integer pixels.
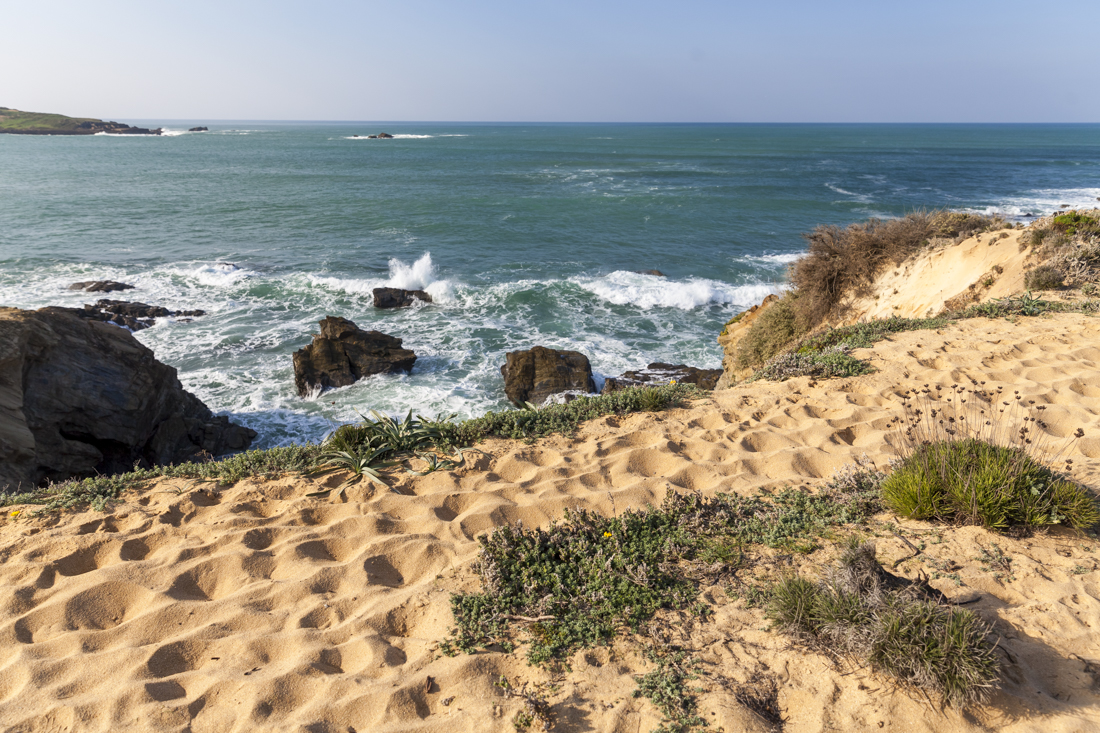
{"type": "Point", "coordinates": [524, 234]}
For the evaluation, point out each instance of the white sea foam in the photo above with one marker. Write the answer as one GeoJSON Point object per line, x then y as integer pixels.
{"type": "Point", "coordinates": [220, 274]}
{"type": "Point", "coordinates": [862, 198]}
{"type": "Point", "coordinates": [773, 260]}
{"type": "Point", "coordinates": [646, 291]}
{"type": "Point", "coordinates": [420, 275]}
{"type": "Point", "coordinates": [1043, 201]}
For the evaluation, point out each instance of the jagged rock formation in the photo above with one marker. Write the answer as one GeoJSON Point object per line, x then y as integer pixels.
{"type": "Point", "coordinates": [100, 286]}
{"type": "Point", "coordinates": [398, 298]}
{"type": "Point", "coordinates": [199, 129]}
{"type": "Point", "coordinates": [80, 397]}
{"type": "Point", "coordinates": [659, 373]}
{"type": "Point", "coordinates": [134, 316]}
{"type": "Point", "coordinates": [343, 353]}
{"type": "Point", "coordinates": [535, 374]}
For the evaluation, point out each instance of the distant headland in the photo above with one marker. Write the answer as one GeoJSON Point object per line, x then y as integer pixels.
{"type": "Point", "coordinates": [15, 122]}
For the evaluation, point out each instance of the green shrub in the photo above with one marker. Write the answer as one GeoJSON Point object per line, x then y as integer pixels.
{"type": "Point", "coordinates": [1044, 277]}
{"type": "Point", "coordinates": [963, 460]}
{"type": "Point", "coordinates": [859, 611]}
{"type": "Point", "coordinates": [1073, 222]}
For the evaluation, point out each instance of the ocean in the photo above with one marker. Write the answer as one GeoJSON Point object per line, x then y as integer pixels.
{"type": "Point", "coordinates": [524, 234]}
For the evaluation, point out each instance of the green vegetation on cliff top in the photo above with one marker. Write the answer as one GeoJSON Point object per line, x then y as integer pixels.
{"type": "Point", "coordinates": [15, 120]}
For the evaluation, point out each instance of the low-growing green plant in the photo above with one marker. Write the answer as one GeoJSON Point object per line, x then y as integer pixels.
{"type": "Point", "coordinates": [1073, 222]}
{"type": "Point", "coordinates": [574, 584]}
{"type": "Point", "coordinates": [859, 611]}
{"type": "Point", "coordinates": [831, 362]}
{"type": "Point", "coordinates": [962, 459]}
{"type": "Point", "coordinates": [362, 465]}
{"type": "Point", "coordinates": [565, 419]}
{"type": "Point", "coordinates": [666, 686]}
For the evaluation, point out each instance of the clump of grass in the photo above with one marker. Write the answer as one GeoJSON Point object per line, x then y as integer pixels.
{"type": "Point", "coordinates": [963, 459]}
{"type": "Point", "coordinates": [858, 610]}
{"type": "Point", "coordinates": [575, 583]}
{"type": "Point", "coordinates": [1044, 277]}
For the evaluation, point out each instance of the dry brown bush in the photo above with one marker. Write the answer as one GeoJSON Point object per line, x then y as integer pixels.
{"type": "Point", "coordinates": [843, 261]}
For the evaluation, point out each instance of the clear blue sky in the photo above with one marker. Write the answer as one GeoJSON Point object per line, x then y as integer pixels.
{"type": "Point", "coordinates": [491, 60]}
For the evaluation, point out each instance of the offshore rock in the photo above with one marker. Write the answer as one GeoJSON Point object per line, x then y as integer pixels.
{"type": "Point", "coordinates": [199, 129]}
{"type": "Point", "coordinates": [398, 298]}
{"type": "Point", "coordinates": [132, 315]}
{"type": "Point", "coordinates": [533, 375]}
{"type": "Point", "coordinates": [100, 286]}
{"type": "Point", "coordinates": [342, 354]}
{"type": "Point", "coordinates": [81, 397]}
{"type": "Point", "coordinates": [658, 373]}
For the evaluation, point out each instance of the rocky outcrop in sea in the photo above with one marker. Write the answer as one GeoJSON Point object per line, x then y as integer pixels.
{"type": "Point", "coordinates": [343, 353]}
{"type": "Point", "coordinates": [536, 374]}
{"type": "Point", "coordinates": [398, 298]}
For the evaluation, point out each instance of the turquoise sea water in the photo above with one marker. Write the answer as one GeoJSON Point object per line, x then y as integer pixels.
{"type": "Point", "coordinates": [525, 234]}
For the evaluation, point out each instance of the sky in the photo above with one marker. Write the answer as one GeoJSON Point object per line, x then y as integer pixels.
{"type": "Point", "coordinates": [565, 61]}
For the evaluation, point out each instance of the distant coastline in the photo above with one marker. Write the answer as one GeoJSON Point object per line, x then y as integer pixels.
{"type": "Point", "coordinates": [17, 122]}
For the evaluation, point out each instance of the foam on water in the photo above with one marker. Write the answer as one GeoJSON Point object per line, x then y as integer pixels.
{"type": "Point", "coordinates": [1043, 201]}
{"type": "Point", "coordinates": [648, 291]}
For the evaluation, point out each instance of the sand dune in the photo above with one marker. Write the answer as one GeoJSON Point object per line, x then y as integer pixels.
{"type": "Point", "coordinates": [189, 607]}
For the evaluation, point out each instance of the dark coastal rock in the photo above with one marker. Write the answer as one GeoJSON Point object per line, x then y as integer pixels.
{"type": "Point", "coordinates": [199, 129]}
{"type": "Point", "coordinates": [535, 374]}
{"type": "Point", "coordinates": [134, 316]}
{"type": "Point", "coordinates": [343, 353]}
{"type": "Point", "coordinates": [91, 127]}
{"type": "Point", "coordinates": [100, 286]}
{"type": "Point", "coordinates": [398, 298]}
{"type": "Point", "coordinates": [370, 137]}
{"type": "Point", "coordinates": [659, 373]}
{"type": "Point", "coordinates": [654, 273]}
{"type": "Point", "coordinates": [384, 135]}
{"type": "Point", "coordinates": [80, 398]}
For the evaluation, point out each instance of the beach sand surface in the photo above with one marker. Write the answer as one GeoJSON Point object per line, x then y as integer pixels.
{"type": "Point", "coordinates": [192, 607]}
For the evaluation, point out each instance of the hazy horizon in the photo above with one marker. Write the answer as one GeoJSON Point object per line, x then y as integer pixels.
{"type": "Point", "coordinates": [490, 61]}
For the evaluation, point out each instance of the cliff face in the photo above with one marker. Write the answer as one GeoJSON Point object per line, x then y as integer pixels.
{"type": "Point", "coordinates": [81, 397]}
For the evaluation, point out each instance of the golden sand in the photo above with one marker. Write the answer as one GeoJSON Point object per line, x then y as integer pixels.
{"type": "Point", "coordinates": [254, 608]}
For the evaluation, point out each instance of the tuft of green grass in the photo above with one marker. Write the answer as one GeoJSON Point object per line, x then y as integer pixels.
{"type": "Point", "coordinates": [860, 611]}
{"type": "Point", "coordinates": [831, 362]}
{"type": "Point", "coordinates": [964, 460]}
{"type": "Point", "coordinates": [776, 327]}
